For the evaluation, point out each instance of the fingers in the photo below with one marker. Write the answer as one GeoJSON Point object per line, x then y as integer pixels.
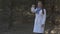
{"type": "Point", "coordinates": [33, 5]}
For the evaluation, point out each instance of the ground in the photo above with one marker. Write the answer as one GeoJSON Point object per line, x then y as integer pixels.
{"type": "Point", "coordinates": [25, 28]}
{"type": "Point", "coordinates": [19, 29]}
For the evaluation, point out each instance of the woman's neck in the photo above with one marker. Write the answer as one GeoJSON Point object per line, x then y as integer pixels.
{"type": "Point", "coordinates": [39, 7]}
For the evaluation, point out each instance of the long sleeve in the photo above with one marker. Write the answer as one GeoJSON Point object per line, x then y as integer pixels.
{"type": "Point", "coordinates": [44, 17]}
{"type": "Point", "coordinates": [33, 10]}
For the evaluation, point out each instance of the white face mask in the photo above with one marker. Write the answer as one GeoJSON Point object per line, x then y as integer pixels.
{"type": "Point", "coordinates": [39, 4]}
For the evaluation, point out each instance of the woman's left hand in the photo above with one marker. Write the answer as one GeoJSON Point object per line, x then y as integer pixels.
{"type": "Point", "coordinates": [43, 25]}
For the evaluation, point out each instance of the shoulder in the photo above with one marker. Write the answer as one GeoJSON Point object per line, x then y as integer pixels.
{"type": "Point", "coordinates": [44, 10]}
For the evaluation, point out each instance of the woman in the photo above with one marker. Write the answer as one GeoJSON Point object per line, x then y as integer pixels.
{"type": "Point", "coordinates": [40, 17]}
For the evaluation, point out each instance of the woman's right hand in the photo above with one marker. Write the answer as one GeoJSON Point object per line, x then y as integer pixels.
{"type": "Point", "coordinates": [33, 9]}
{"type": "Point", "coordinates": [33, 5]}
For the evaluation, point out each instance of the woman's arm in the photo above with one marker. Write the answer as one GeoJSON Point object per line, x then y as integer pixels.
{"type": "Point", "coordinates": [44, 17]}
{"type": "Point", "coordinates": [33, 10]}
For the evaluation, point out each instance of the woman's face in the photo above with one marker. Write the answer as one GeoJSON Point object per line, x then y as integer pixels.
{"type": "Point", "coordinates": [40, 4]}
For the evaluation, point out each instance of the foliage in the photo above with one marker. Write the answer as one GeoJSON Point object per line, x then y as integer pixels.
{"type": "Point", "coordinates": [19, 10]}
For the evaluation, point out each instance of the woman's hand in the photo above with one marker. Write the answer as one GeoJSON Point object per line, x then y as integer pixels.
{"type": "Point", "coordinates": [43, 25]}
{"type": "Point", "coordinates": [33, 5]}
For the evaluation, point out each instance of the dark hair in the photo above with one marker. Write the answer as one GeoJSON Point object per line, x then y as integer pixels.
{"type": "Point", "coordinates": [42, 6]}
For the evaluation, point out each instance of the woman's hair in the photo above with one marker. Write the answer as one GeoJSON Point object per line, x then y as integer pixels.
{"type": "Point", "coordinates": [42, 6]}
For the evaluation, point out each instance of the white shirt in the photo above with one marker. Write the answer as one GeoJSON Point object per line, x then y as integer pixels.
{"type": "Point", "coordinates": [39, 20]}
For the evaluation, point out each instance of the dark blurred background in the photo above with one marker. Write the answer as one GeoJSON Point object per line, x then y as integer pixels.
{"type": "Point", "coordinates": [16, 17]}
